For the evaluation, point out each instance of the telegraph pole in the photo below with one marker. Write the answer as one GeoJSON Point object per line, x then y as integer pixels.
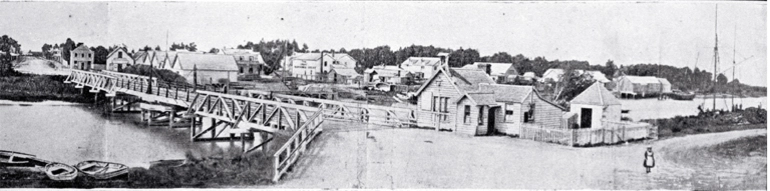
{"type": "Point", "coordinates": [716, 57]}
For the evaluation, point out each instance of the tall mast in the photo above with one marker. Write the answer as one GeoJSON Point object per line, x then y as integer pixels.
{"type": "Point", "coordinates": [716, 58]}
{"type": "Point", "coordinates": [735, 38]}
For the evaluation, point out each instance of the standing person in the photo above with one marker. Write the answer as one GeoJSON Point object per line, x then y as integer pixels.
{"type": "Point", "coordinates": [649, 159]}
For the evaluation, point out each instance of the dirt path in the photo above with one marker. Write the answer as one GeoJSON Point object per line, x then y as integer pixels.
{"type": "Point", "coordinates": [349, 157]}
{"type": "Point", "coordinates": [41, 66]}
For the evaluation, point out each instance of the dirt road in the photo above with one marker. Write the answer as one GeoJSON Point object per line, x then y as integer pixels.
{"type": "Point", "coordinates": [353, 157]}
{"type": "Point", "coordinates": [41, 66]}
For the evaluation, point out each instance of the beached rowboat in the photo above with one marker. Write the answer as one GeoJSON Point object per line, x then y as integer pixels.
{"type": "Point", "coordinates": [13, 159]}
{"type": "Point", "coordinates": [102, 170]}
{"type": "Point", "coordinates": [59, 171]}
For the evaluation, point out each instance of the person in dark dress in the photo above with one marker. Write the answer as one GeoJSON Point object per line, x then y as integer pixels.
{"type": "Point", "coordinates": [649, 159]}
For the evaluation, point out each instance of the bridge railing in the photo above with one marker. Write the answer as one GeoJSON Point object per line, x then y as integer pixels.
{"type": "Point", "coordinates": [288, 154]}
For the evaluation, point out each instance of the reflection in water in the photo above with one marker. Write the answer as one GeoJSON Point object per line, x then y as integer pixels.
{"type": "Point", "coordinates": [74, 133]}
{"type": "Point", "coordinates": [654, 108]}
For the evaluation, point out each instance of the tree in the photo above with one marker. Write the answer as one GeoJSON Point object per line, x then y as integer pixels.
{"type": "Point", "coordinates": [7, 46]}
{"type": "Point", "coordinates": [191, 47]}
{"type": "Point", "coordinates": [146, 48]}
{"type": "Point", "coordinates": [214, 51]}
{"type": "Point", "coordinates": [66, 48]}
{"type": "Point", "coordinates": [157, 48]}
{"type": "Point", "coordinates": [100, 54]}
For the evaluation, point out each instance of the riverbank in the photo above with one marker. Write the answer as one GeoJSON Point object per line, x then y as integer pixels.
{"type": "Point", "coordinates": [38, 88]}
{"type": "Point", "coordinates": [711, 122]}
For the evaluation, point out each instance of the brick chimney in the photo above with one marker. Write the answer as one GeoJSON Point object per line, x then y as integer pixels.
{"type": "Point", "coordinates": [444, 64]}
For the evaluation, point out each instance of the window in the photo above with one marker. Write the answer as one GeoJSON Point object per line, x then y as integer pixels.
{"type": "Point", "coordinates": [509, 115]}
{"type": "Point", "coordinates": [251, 70]}
{"type": "Point", "coordinates": [326, 63]}
{"type": "Point", "coordinates": [441, 105]}
{"type": "Point", "coordinates": [251, 58]}
{"type": "Point", "coordinates": [240, 70]}
{"type": "Point", "coordinates": [120, 54]}
{"type": "Point", "coordinates": [481, 115]}
{"type": "Point", "coordinates": [467, 115]}
{"type": "Point", "coordinates": [240, 58]}
{"type": "Point", "coordinates": [529, 115]}
{"type": "Point", "coordinates": [89, 54]}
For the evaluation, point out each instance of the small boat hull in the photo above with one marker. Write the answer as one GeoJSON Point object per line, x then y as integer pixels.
{"type": "Point", "coordinates": [61, 172]}
{"type": "Point", "coordinates": [102, 170]}
{"type": "Point", "coordinates": [681, 96]}
{"type": "Point", "coordinates": [17, 160]}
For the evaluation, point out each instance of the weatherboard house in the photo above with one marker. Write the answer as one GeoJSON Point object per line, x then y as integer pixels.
{"type": "Point", "coordinates": [81, 58]}
{"type": "Point", "coordinates": [205, 68]}
{"type": "Point", "coordinates": [594, 105]}
{"type": "Point", "coordinates": [119, 59]}
{"type": "Point", "coordinates": [468, 101]}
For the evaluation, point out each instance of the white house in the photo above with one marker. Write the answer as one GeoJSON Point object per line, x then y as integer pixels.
{"type": "Point", "coordinates": [119, 59]}
{"type": "Point", "coordinates": [552, 74]}
{"type": "Point", "coordinates": [500, 72]}
{"type": "Point", "coordinates": [317, 65]}
{"type": "Point", "coordinates": [81, 58]}
{"type": "Point", "coordinates": [422, 67]}
{"type": "Point", "coordinates": [594, 105]}
{"type": "Point", "coordinates": [208, 68]}
{"type": "Point", "coordinates": [249, 61]}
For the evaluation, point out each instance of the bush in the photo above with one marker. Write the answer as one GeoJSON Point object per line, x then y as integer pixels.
{"type": "Point", "coordinates": [161, 74]}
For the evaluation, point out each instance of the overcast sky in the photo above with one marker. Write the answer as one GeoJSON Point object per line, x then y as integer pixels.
{"type": "Point", "coordinates": [672, 33]}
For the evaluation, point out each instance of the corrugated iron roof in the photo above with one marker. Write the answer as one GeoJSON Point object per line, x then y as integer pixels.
{"type": "Point", "coordinates": [595, 94]}
{"type": "Point", "coordinates": [421, 61]}
{"type": "Point", "coordinates": [206, 62]}
{"type": "Point", "coordinates": [643, 79]}
{"type": "Point", "coordinates": [507, 93]}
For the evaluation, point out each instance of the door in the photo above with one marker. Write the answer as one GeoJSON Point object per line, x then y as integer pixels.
{"type": "Point", "coordinates": [585, 117]}
{"type": "Point", "coordinates": [120, 67]}
{"type": "Point", "coordinates": [491, 120]}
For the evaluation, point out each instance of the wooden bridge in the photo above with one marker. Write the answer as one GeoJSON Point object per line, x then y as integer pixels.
{"type": "Point", "coordinates": [259, 116]}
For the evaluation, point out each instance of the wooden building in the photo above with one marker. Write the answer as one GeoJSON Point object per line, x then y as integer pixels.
{"type": "Point", "coordinates": [119, 59]}
{"type": "Point", "coordinates": [640, 86]}
{"type": "Point", "coordinates": [344, 76]}
{"type": "Point", "coordinates": [594, 105]}
{"type": "Point", "coordinates": [469, 102]}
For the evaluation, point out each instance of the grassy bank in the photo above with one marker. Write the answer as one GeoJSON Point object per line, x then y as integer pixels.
{"type": "Point", "coordinates": [227, 168]}
{"type": "Point", "coordinates": [36, 88]}
{"type": "Point", "coordinates": [711, 122]}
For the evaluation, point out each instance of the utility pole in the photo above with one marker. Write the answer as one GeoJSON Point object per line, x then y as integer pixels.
{"type": "Point", "coordinates": [716, 57]}
{"type": "Point", "coordinates": [735, 38]}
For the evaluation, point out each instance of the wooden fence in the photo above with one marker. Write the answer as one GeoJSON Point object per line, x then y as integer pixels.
{"type": "Point", "coordinates": [611, 133]}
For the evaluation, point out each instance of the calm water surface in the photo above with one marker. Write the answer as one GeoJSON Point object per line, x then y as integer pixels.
{"type": "Point", "coordinates": [653, 108]}
{"type": "Point", "coordinates": [73, 133]}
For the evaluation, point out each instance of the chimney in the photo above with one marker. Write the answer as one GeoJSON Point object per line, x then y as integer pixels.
{"type": "Point", "coordinates": [444, 64]}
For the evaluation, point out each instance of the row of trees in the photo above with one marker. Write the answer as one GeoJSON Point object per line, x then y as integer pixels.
{"type": "Point", "coordinates": [8, 45]}
{"type": "Point", "coordinates": [273, 51]}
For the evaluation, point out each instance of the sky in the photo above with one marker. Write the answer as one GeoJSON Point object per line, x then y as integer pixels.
{"type": "Point", "coordinates": [672, 33]}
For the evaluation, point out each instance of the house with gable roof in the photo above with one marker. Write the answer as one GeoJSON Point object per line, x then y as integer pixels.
{"type": "Point", "coordinates": [316, 66]}
{"type": "Point", "coordinates": [500, 72]}
{"type": "Point", "coordinates": [208, 68]}
{"type": "Point", "coordinates": [469, 102]}
{"type": "Point", "coordinates": [594, 105]}
{"type": "Point", "coordinates": [249, 61]}
{"type": "Point", "coordinates": [119, 59]}
{"type": "Point", "coordinates": [422, 67]}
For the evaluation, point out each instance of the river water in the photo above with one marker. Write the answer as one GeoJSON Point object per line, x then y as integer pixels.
{"type": "Point", "coordinates": [654, 108]}
{"type": "Point", "coordinates": [71, 133]}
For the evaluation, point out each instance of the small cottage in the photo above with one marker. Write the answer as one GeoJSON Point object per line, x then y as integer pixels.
{"type": "Point", "coordinates": [594, 105]}
{"type": "Point", "coordinates": [469, 102]}
{"type": "Point", "coordinates": [343, 76]}
{"type": "Point", "coordinates": [208, 68]}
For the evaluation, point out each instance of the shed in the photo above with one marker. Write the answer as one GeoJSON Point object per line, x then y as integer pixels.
{"type": "Point", "coordinates": [594, 105]}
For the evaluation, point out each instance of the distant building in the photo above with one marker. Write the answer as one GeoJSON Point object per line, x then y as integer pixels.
{"type": "Point", "coordinates": [388, 74]}
{"type": "Point", "coordinates": [249, 61]}
{"type": "Point", "coordinates": [56, 55]}
{"type": "Point", "coordinates": [141, 57]}
{"type": "Point", "coordinates": [552, 75]}
{"type": "Point", "coordinates": [641, 86]}
{"type": "Point", "coordinates": [500, 72]}
{"type": "Point", "coordinates": [316, 66]}
{"type": "Point", "coordinates": [344, 76]}
{"type": "Point", "coordinates": [211, 68]}
{"type": "Point", "coordinates": [422, 67]}
{"type": "Point", "coordinates": [119, 59]}
{"type": "Point", "coordinates": [81, 58]}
